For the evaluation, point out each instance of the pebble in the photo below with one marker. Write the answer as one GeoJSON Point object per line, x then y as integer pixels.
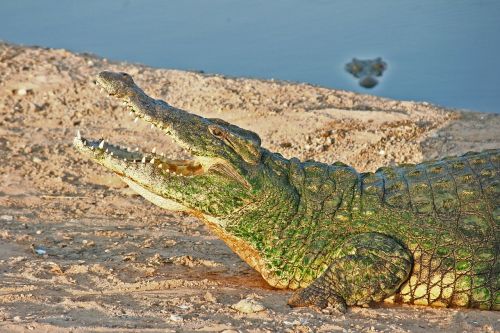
{"type": "Point", "coordinates": [22, 92]}
{"type": "Point", "coordinates": [6, 217]}
{"type": "Point", "coordinates": [40, 251]}
{"type": "Point", "coordinates": [248, 306]}
{"type": "Point", "coordinates": [209, 297]}
{"type": "Point", "coordinates": [176, 318]}
{"type": "Point", "coordinates": [88, 243]}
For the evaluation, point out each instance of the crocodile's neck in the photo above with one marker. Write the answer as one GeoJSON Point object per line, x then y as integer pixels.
{"type": "Point", "coordinates": [298, 200]}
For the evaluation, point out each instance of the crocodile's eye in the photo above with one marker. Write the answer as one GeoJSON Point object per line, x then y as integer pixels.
{"type": "Point", "coordinates": [216, 131]}
{"type": "Point", "coordinates": [124, 74]}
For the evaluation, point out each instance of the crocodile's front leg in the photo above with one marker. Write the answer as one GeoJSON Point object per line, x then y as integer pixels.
{"type": "Point", "coordinates": [367, 267]}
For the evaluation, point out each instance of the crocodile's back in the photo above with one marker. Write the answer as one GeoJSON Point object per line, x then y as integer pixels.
{"type": "Point", "coordinates": [448, 214]}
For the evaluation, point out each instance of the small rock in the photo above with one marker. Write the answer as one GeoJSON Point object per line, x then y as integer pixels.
{"type": "Point", "coordinates": [132, 256]}
{"type": "Point", "coordinates": [15, 260]}
{"type": "Point", "coordinates": [176, 318]}
{"type": "Point", "coordinates": [248, 306]}
{"type": "Point", "coordinates": [22, 92]}
{"type": "Point", "coordinates": [38, 250]}
{"type": "Point", "coordinates": [88, 243]}
{"type": "Point", "coordinates": [36, 160]}
{"type": "Point", "coordinates": [169, 243]}
{"type": "Point", "coordinates": [156, 260]}
{"type": "Point", "coordinates": [6, 217]}
{"type": "Point", "coordinates": [209, 297]}
{"type": "Point", "coordinates": [148, 243]}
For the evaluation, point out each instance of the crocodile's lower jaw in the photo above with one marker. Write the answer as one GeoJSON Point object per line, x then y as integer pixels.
{"type": "Point", "coordinates": [104, 150]}
{"type": "Point", "coordinates": [155, 198]}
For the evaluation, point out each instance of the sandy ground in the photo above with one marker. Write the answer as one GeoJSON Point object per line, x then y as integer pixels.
{"type": "Point", "coordinates": [80, 252]}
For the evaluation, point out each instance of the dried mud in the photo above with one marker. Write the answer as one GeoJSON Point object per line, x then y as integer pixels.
{"type": "Point", "coordinates": [80, 252]}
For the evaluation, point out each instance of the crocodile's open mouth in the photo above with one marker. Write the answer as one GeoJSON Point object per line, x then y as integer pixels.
{"type": "Point", "coordinates": [107, 151]}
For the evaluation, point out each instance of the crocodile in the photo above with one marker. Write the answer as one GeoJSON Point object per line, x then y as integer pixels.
{"type": "Point", "coordinates": [424, 234]}
{"type": "Point", "coordinates": [366, 70]}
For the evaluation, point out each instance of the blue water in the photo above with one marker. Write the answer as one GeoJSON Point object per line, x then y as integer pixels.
{"type": "Point", "coordinates": [445, 52]}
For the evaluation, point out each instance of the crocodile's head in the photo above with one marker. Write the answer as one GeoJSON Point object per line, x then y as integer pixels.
{"type": "Point", "coordinates": [215, 183]}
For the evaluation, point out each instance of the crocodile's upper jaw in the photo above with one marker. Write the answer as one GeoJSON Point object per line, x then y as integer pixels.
{"type": "Point", "coordinates": [222, 153]}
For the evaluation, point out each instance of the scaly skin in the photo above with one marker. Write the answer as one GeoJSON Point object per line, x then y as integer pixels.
{"type": "Point", "coordinates": [421, 234]}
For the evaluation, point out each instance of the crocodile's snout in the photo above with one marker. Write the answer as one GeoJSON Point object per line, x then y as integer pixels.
{"type": "Point", "coordinates": [117, 84]}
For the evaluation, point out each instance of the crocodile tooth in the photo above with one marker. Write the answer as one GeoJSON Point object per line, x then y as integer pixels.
{"type": "Point", "coordinates": [101, 145]}
{"type": "Point", "coordinates": [153, 150]}
{"type": "Point", "coordinates": [107, 150]}
{"type": "Point", "coordinates": [85, 142]}
{"type": "Point", "coordinates": [78, 134]}
{"type": "Point", "coordinates": [162, 154]}
{"type": "Point", "coordinates": [152, 161]}
{"type": "Point", "coordinates": [135, 120]}
{"type": "Point", "coordinates": [111, 153]}
{"type": "Point", "coordinates": [125, 159]}
{"type": "Point", "coordinates": [144, 159]}
{"type": "Point", "coordinates": [152, 126]}
{"type": "Point", "coordinates": [137, 149]}
{"type": "Point", "coordinates": [160, 166]}
{"type": "Point", "coordinates": [130, 113]}
{"type": "Point", "coordinates": [124, 103]}
{"type": "Point", "coordinates": [102, 89]}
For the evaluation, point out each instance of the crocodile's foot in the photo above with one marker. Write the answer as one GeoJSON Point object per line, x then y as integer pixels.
{"type": "Point", "coordinates": [367, 267]}
{"type": "Point", "coordinates": [317, 298]}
